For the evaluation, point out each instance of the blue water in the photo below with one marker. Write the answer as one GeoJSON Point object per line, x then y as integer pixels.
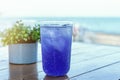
{"type": "Point", "coordinates": [56, 49]}
{"type": "Point", "coordinates": [99, 24]}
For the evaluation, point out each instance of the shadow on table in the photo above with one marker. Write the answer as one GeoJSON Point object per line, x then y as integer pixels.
{"type": "Point", "coordinates": [56, 78]}
{"type": "Point", "coordinates": [23, 72]}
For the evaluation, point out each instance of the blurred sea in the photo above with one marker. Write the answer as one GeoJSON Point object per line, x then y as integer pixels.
{"type": "Point", "coordinates": [98, 24]}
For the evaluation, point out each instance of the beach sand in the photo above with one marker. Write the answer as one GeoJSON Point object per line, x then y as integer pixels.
{"type": "Point", "coordinates": [102, 38]}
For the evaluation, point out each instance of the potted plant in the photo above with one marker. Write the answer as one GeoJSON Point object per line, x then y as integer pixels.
{"type": "Point", "coordinates": [22, 41]}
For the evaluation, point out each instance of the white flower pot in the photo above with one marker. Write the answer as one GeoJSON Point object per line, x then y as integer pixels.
{"type": "Point", "coordinates": [23, 53]}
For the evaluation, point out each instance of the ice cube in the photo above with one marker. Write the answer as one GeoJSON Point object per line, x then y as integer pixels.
{"type": "Point", "coordinates": [59, 44]}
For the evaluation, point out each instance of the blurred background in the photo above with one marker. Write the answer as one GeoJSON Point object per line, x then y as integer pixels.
{"type": "Point", "coordinates": [95, 21]}
{"type": "Point", "coordinates": [99, 30]}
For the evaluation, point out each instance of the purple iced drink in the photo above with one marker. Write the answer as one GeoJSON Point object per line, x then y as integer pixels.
{"type": "Point", "coordinates": [56, 38]}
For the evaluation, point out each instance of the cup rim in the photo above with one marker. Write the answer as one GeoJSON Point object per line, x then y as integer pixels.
{"type": "Point", "coordinates": [56, 23]}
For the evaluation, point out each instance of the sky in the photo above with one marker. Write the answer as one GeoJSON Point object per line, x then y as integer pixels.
{"type": "Point", "coordinates": [74, 8]}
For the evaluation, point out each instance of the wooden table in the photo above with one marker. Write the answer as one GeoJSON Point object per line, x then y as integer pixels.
{"type": "Point", "coordinates": [88, 62]}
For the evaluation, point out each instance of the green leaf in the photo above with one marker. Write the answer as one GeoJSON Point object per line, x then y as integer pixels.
{"type": "Point", "coordinates": [25, 39]}
{"type": "Point", "coordinates": [20, 32]}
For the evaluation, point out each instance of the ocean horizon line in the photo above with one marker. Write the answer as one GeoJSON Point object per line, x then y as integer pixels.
{"type": "Point", "coordinates": [100, 24]}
